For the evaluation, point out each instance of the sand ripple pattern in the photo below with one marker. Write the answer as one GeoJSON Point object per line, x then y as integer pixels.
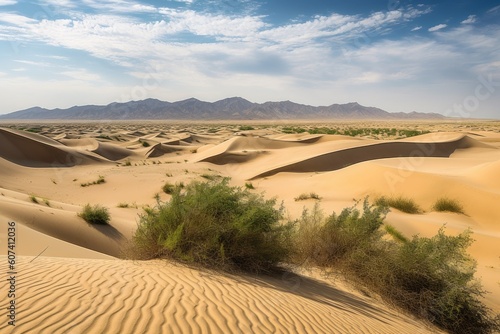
{"type": "Point", "coordinates": [60, 295]}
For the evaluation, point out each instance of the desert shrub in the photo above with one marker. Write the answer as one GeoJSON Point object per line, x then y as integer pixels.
{"type": "Point", "coordinates": [335, 237]}
{"type": "Point", "coordinates": [145, 144]}
{"type": "Point", "coordinates": [400, 203]}
{"type": "Point", "coordinates": [249, 185]}
{"type": "Point", "coordinates": [210, 177]}
{"type": "Point", "coordinates": [433, 278]}
{"type": "Point", "coordinates": [246, 128]}
{"type": "Point", "coordinates": [215, 225]}
{"type": "Point", "coordinates": [168, 188]}
{"type": "Point", "coordinates": [305, 196]}
{"type": "Point", "coordinates": [96, 214]}
{"type": "Point", "coordinates": [34, 199]}
{"type": "Point", "coordinates": [100, 180]}
{"type": "Point", "coordinates": [450, 205]}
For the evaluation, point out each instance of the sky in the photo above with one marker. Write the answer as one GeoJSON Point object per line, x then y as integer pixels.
{"type": "Point", "coordinates": [398, 55]}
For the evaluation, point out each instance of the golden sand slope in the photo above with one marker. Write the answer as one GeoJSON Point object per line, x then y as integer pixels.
{"type": "Point", "coordinates": [59, 295]}
{"type": "Point", "coordinates": [105, 295]}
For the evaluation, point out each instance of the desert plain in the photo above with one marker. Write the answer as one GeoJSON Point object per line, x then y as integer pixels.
{"type": "Point", "coordinates": [73, 277]}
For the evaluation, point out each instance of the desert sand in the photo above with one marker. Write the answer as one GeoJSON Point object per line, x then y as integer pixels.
{"type": "Point", "coordinates": [72, 277]}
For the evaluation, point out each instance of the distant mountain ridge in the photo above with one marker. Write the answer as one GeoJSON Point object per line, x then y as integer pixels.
{"type": "Point", "coordinates": [234, 108]}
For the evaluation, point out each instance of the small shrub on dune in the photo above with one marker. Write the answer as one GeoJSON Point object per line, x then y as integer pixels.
{"type": "Point", "coordinates": [400, 203]}
{"type": "Point", "coordinates": [96, 214]}
{"type": "Point", "coordinates": [168, 188]}
{"type": "Point", "coordinates": [249, 185]}
{"type": "Point", "coordinates": [215, 225]}
{"type": "Point", "coordinates": [449, 205]}
{"type": "Point", "coordinates": [305, 196]}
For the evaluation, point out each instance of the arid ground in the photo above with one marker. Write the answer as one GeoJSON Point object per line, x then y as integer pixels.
{"type": "Point", "coordinates": [81, 283]}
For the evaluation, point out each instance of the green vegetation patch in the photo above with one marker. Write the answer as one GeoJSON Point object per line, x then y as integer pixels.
{"type": "Point", "coordinates": [400, 203]}
{"type": "Point", "coordinates": [96, 214]}
{"type": "Point", "coordinates": [215, 225]}
{"type": "Point", "coordinates": [432, 278]}
{"type": "Point", "coordinates": [449, 205]}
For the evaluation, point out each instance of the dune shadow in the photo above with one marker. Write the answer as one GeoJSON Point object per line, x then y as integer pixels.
{"type": "Point", "coordinates": [110, 231]}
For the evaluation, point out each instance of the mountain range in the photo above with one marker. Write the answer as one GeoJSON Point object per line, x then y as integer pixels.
{"type": "Point", "coordinates": [234, 108]}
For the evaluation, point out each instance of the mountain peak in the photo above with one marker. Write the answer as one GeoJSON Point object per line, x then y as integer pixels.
{"type": "Point", "coordinates": [231, 108]}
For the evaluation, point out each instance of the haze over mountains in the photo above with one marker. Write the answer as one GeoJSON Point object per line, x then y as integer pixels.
{"type": "Point", "coordinates": [234, 108]}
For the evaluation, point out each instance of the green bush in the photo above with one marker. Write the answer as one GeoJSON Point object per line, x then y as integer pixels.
{"type": "Point", "coordinates": [168, 188]}
{"type": "Point", "coordinates": [433, 278]}
{"type": "Point", "coordinates": [215, 225]}
{"type": "Point", "coordinates": [95, 214]}
{"type": "Point", "coordinates": [334, 238]}
{"type": "Point", "coordinates": [249, 185]}
{"type": "Point", "coordinates": [450, 205]}
{"type": "Point", "coordinates": [400, 203]}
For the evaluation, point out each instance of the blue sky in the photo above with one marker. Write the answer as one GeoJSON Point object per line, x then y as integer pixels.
{"type": "Point", "coordinates": [426, 56]}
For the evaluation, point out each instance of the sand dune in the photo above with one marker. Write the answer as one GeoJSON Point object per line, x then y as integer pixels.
{"type": "Point", "coordinates": [78, 285]}
{"type": "Point", "coordinates": [115, 296]}
{"type": "Point", "coordinates": [330, 153]}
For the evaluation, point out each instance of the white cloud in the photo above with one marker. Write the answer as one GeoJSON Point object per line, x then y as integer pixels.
{"type": "Point", "coordinates": [438, 27]}
{"type": "Point", "coordinates": [184, 1]}
{"type": "Point", "coordinates": [470, 19]}
{"type": "Point", "coordinates": [60, 3]}
{"type": "Point", "coordinates": [7, 2]}
{"type": "Point", "coordinates": [82, 74]}
{"type": "Point", "coordinates": [494, 9]}
{"type": "Point", "coordinates": [120, 6]}
{"type": "Point", "coordinates": [16, 20]}
{"type": "Point", "coordinates": [32, 63]}
{"type": "Point", "coordinates": [417, 28]}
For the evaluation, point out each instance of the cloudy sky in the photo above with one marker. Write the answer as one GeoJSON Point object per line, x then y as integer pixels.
{"type": "Point", "coordinates": [426, 56]}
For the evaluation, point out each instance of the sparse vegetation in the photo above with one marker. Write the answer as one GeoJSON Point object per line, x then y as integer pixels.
{"type": "Point", "coordinates": [34, 199]}
{"type": "Point", "coordinates": [355, 132]}
{"type": "Point", "coordinates": [433, 278]}
{"type": "Point", "coordinates": [145, 144]}
{"type": "Point", "coordinates": [246, 128]}
{"type": "Point", "coordinates": [123, 205]}
{"type": "Point", "coordinates": [100, 180]}
{"type": "Point", "coordinates": [306, 196]}
{"type": "Point", "coordinates": [214, 225]}
{"type": "Point", "coordinates": [168, 188]}
{"type": "Point", "coordinates": [210, 177]}
{"type": "Point", "coordinates": [34, 130]}
{"type": "Point", "coordinates": [400, 203]}
{"type": "Point", "coordinates": [104, 137]}
{"type": "Point", "coordinates": [249, 185]}
{"type": "Point", "coordinates": [96, 214]}
{"type": "Point", "coordinates": [449, 205]}
{"type": "Point", "coordinates": [46, 201]}
{"type": "Point", "coordinates": [128, 163]}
